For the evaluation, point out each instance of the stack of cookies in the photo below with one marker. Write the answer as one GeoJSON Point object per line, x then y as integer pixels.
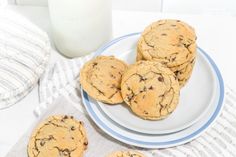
{"type": "Point", "coordinates": [172, 43]}
{"type": "Point", "coordinates": [166, 53]}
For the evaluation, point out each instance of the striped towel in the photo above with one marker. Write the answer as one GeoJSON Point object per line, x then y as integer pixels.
{"type": "Point", "coordinates": [24, 55]}
{"type": "Point", "coordinates": [219, 140]}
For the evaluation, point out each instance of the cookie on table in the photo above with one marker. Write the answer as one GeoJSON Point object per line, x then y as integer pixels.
{"type": "Point", "coordinates": [56, 136]}
{"type": "Point", "coordinates": [126, 154]}
{"type": "Point", "coordinates": [101, 78]}
{"type": "Point", "coordinates": [150, 89]}
{"type": "Point", "coordinates": [171, 42]}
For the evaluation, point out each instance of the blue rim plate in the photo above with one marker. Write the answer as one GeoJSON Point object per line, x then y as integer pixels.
{"type": "Point", "coordinates": [154, 141]}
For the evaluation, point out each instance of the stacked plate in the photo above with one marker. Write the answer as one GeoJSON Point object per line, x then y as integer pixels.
{"type": "Point", "coordinates": [201, 101]}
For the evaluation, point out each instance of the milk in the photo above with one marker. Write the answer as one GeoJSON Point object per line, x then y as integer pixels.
{"type": "Point", "coordinates": [80, 27]}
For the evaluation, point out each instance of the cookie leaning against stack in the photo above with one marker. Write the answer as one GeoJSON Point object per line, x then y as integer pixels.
{"type": "Point", "coordinates": [101, 78]}
{"type": "Point", "coordinates": [58, 136]}
{"type": "Point", "coordinates": [150, 89]}
{"type": "Point", "coordinates": [171, 42]}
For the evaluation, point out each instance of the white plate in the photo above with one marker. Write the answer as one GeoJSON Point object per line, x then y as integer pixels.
{"type": "Point", "coordinates": [118, 130]}
{"type": "Point", "coordinates": [195, 98]}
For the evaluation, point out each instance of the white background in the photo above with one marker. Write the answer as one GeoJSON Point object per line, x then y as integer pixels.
{"type": "Point", "coordinates": [169, 6]}
{"type": "Point", "coordinates": [216, 26]}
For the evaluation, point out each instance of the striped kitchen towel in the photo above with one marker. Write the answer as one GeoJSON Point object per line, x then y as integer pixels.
{"type": "Point", "coordinates": [217, 141]}
{"type": "Point", "coordinates": [24, 55]}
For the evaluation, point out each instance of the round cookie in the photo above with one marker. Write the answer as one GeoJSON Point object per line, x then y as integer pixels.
{"type": "Point", "coordinates": [171, 42]}
{"type": "Point", "coordinates": [150, 89]}
{"type": "Point", "coordinates": [101, 78]}
{"type": "Point", "coordinates": [126, 154]}
{"type": "Point", "coordinates": [58, 136]}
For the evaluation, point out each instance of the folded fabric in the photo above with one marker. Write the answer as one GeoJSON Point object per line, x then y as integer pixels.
{"type": "Point", "coordinates": [24, 55]}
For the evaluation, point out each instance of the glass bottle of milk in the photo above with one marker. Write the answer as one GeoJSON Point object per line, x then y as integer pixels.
{"type": "Point", "coordinates": [80, 27]}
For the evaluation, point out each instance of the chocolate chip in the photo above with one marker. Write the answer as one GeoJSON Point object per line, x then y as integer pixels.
{"type": "Point", "coordinates": [145, 112]}
{"type": "Point", "coordinates": [130, 97]}
{"type": "Point", "coordinates": [86, 143]}
{"type": "Point", "coordinates": [42, 143]}
{"type": "Point", "coordinates": [66, 152]}
{"type": "Point", "coordinates": [163, 62]}
{"type": "Point", "coordinates": [173, 59]}
{"type": "Point", "coordinates": [72, 138]}
{"type": "Point", "coordinates": [150, 88]}
{"type": "Point", "coordinates": [72, 128]}
{"type": "Point", "coordinates": [135, 101]}
{"type": "Point", "coordinates": [142, 79]}
{"type": "Point", "coordinates": [113, 67]}
{"type": "Point", "coordinates": [161, 79]}
{"type": "Point", "coordinates": [71, 117]}
{"type": "Point", "coordinates": [173, 25]}
{"type": "Point", "coordinates": [50, 137]}
{"type": "Point", "coordinates": [177, 20]}
{"type": "Point", "coordinates": [163, 34]}
{"type": "Point", "coordinates": [65, 117]}
{"type": "Point", "coordinates": [187, 45]}
{"type": "Point", "coordinates": [95, 64]}
{"type": "Point", "coordinates": [176, 72]}
{"type": "Point", "coordinates": [112, 76]}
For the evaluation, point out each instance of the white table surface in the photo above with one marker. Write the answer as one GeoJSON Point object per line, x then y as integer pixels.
{"type": "Point", "coordinates": [216, 35]}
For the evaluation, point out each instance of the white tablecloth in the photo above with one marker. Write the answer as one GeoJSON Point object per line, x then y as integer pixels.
{"type": "Point", "coordinates": [218, 141]}
{"type": "Point", "coordinates": [215, 34]}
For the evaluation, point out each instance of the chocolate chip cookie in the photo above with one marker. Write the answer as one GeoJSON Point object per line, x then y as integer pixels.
{"type": "Point", "coordinates": [101, 78]}
{"type": "Point", "coordinates": [126, 154]}
{"type": "Point", "coordinates": [58, 136]}
{"type": "Point", "coordinates": [171, 42]}
{"type": "Point", "coordinates": [150, 89]}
